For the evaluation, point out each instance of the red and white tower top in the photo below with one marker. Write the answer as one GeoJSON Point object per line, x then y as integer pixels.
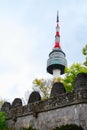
{"type": "Point", "coordinates": [57, 36]}
{"type": "Point", "coordinates": [56, 62]}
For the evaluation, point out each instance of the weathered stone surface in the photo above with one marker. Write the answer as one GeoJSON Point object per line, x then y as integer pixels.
{"type": "Point", "coordinates": [55, 111]}
{"type": "Point", "coordinates": [34, 97]}
{"type": "Point", "coordinates": [52, 103]}
{"type": "Point", "coordinates": [60, 109]}
{"type": "Point", "coordinates": [16, 103]}
{"type": "Point", "coordinates": [6, 107]}
{"type": "Point", "coordinates": [58, 88]}
{"type": "Point", "coordinates": [47, 120]}
{"type": "Point", "coordinates": [80, 82]}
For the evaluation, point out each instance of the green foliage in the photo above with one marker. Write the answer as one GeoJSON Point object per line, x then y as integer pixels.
{"type": "Point", "coordinates": [3, 125]}
{"type": "Point", "coordinates": [30, 128]}
{"type": "Point", "coordinates": [69, 127]}
{"type": "Point", "coordinates": [84, 51]}
{"type": "Point", "coordinates": [44, 86]}
{"type": "Point", "coordinates": [68, 80]}
{"type": "Point", "coordinates": [71, 74]}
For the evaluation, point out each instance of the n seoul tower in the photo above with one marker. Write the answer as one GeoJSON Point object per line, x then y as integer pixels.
{"type": "Point", "coordinates": [56, 63]}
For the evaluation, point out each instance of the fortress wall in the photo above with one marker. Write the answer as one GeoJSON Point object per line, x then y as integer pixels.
{"type": "Point", "coordinates": [47, 120]}
{"type": "Point", "coordinates": [45, 115]}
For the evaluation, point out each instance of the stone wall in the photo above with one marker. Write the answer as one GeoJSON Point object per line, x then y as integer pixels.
{"type": "Point", "coordinates": [59, 109]}
{"type": "Point", "coordinates": [47, 120]}
{"type": "Point", "coordinates": [62, 109]}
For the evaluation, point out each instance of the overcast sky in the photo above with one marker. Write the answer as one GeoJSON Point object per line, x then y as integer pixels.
{"type": "Point", "coordinates": [27, 36]}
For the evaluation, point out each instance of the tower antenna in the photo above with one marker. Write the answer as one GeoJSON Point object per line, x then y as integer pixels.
{"type": "Point", "coordinates": [56, 63]}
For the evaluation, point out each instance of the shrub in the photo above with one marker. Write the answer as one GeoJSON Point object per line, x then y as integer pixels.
{"type": "Point", "coordinates": [3, 125]}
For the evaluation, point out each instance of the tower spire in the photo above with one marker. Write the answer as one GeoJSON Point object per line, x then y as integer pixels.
{"type": "Point", "coordinates": [56, 62]}
{"type": "Point", "coordinates": [57, 36]}
{"type": "Point", "coordinates": [57, 16]}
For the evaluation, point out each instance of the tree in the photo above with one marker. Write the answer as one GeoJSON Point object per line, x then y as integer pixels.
{"type": "Point", "coordinates": [43, 86]}
{"type": "Point", "coordinates": [71, 73]}
{"type": "Point", "coordinates": [84, 52]}
{"type": "Point", "coordinates": [3, 125]}
{"type": "Point", "coordinates": [68, 80]}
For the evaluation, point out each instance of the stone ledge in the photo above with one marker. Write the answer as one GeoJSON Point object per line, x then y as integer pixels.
{"type": "Point", "coordinates": [60, 101]}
